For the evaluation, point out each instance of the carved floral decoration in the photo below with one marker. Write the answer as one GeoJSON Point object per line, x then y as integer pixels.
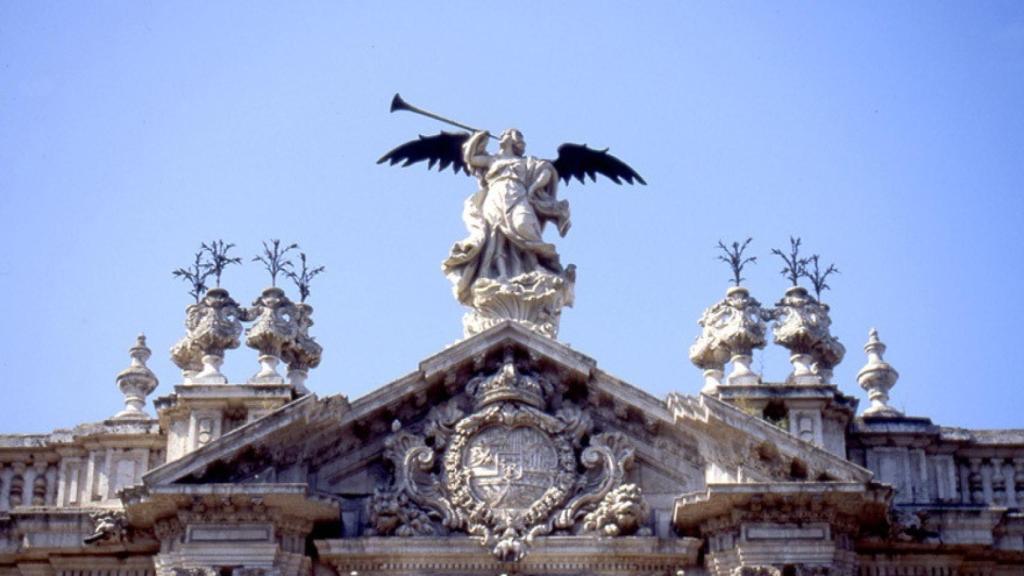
{"type": "Point", "coordinates": [732, 326]}
{"type": "Point", "coordinates": [212, 326]}
{"type": "Point", "coordinates": [274, 326]}
{"type": "Point", "coordinates": [508, 471]}
{"type": "Point", "coordinates": [279, 331]}
{"type": "Point", "coordinates": [802, 325]}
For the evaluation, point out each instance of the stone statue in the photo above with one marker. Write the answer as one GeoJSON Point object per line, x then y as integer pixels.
{"type": "Point", "coordinates": [504, 270]}
{"type": "Point", "coordinates": [506, 215]}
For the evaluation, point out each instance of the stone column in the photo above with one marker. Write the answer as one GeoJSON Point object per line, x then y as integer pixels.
{"type": "Point", "coordinates": [16, 486]}
{"type": "Point", "coordinates": [998, 483]}
{"type": "Point", "coordinates": [40, 484]}
{"type": "Point", "coordinates": [236, 532]}
{"type": "Point", "coordinates": [975, 482]}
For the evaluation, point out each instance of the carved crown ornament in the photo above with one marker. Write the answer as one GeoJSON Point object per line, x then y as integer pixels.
{"type": "Point", "coordinates": [501, 465]}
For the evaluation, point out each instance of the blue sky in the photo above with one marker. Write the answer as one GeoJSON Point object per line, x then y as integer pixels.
{"type": "Point", "coordinates": [888, 135]}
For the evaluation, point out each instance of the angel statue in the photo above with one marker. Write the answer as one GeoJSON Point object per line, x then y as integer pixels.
{"type": "Point", "coordinates": [504, 270]}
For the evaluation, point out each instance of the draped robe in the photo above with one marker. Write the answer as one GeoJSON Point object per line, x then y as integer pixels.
{"type": "Point", "coordinates": [506, 224]}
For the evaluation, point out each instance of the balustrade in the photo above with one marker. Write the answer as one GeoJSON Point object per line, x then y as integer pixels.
{"type": "Point", "coordinates": [27, 484]}
{"type": "Point", "coordinates": [993, 481]}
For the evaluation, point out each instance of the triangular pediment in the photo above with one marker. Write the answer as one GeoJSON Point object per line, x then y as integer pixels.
{"type": "Point", "coordinates": [483, 416]}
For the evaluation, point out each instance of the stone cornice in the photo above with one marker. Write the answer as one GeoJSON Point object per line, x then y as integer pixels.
{"type": "Point", "coordinates": [868, 502]}
{"type": "Point", "coordinates": [506, 332]}
{"type": "Point", "coordinates": [707, 411]}
{"type": "Point", "coordinates": [549, 555]}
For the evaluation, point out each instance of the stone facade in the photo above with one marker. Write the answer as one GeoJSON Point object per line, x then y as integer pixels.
{"type": "Point", "coordinates": [510, 452]}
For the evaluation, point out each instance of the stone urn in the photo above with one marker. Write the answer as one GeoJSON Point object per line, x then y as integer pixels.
{"type": "Point", "coordinates": [211, 326]}
{"type": "Point", "coordinates": [274, 326]}
{"type": "Point", "coordinates": [802, 326]}
{"type": "Point", "coordinates": [302, 352]}
{"type": "Point", "coordinates": [731, 330]}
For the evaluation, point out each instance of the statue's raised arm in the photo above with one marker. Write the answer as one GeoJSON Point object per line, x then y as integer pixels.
{"type": "Point", "coordinates": [474, 151]}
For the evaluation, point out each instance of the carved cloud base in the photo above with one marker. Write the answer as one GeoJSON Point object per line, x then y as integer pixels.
{"type": "Point", "coordinates": [534, 300]}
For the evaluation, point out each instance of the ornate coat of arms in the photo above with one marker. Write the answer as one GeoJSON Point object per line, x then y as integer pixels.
{"type": "Point", "coordinates": [508, 470]}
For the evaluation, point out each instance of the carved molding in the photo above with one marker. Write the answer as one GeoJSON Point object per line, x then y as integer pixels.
{"type": "Point", "coordinates": [756, 571]}
{"type": "Point", "coordinates": [534, 299]}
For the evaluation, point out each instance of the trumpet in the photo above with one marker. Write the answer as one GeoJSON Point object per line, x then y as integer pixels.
{"type": "Point", "coordinates": [398, 104]}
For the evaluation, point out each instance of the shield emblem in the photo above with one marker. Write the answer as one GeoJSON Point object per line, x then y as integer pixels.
{"type": "Point", "coordinates": [510, 468]}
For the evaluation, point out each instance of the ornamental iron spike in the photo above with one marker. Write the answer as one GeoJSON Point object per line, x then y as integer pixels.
{"type": "Point", "coordinates": [273, 259]}
{"type": "Point", "coordinates": [795, 267]}
{"type": "Point", "coordinates": [733, 256]}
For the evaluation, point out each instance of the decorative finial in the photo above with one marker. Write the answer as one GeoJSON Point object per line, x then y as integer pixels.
{"type": "Point", "coordinates": [819, 277]}
{"type": "Point", "coordinates": [802, 326]}
{"type": "Point", "coordinates": [733, 256]}
{"type": "Point", "coordinates": [219, 260]}
{"type": "Point", "coordinates": [303, 277]}
{"type": "Point", "coordinates": [877, 377]}
{"type": "Point", "coordinates": [795, 267]}
{"type": "Point", "coordinates": [196, 275]}
{"type": "Point", "coordinates": [136, 382]}
{"type": "Point", "coordinates": [273, 259]}
{"type": "Point", "coordinates": [730, 331]}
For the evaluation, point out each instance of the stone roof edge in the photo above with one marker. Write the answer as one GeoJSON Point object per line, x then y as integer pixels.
{"type": "Point", "coordinates": [86, 431]}
{"type": "Point", "coordinates": [507, 331]}
{"type": "Point", "coordinates": [983, 437]}
{"type": "Point", "coordinates": [716, 498]}
{"type": "Point", "coordinates": [227, 444]}
{"type": "Point", "coordinates": [703, 408]}
{"type": "Point", "coordinates": [430, 369]}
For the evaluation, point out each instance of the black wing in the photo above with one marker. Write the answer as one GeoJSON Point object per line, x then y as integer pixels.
{"type": "Point", "coordinates": [575, 161]}
{"type": "Point", "coordinates": [444, 149]}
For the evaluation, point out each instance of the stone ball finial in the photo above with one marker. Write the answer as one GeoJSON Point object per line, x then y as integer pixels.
{"type": "Point", "coordinates": [140, 353]}
{"type": "Point", "coordinates": [877, 378]}
{"type": "Point", "coordinates": [136, 382]}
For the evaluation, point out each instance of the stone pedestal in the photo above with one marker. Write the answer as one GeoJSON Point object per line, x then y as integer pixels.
{"type": "Point", "coordinates": [195, 415]}
{"type": "Point", "coordinates": [741, 374]}
{"type": "Point", "coordinates": [534, 300]}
